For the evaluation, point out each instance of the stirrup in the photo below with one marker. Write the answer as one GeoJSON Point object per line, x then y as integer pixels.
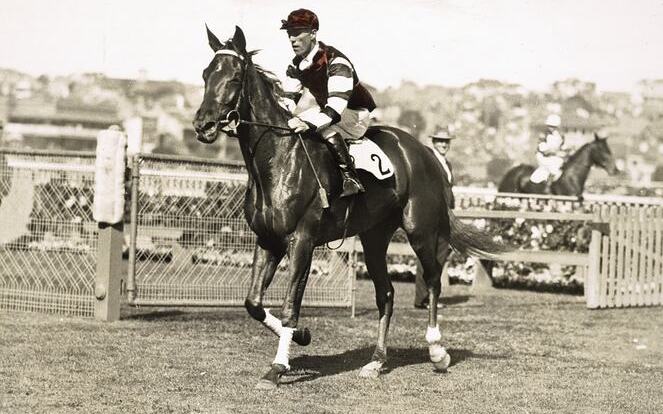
{"type": "Point", "coordinates": [351, 186]}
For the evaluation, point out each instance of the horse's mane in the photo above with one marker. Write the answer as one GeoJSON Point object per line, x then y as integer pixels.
{"type": "Point", "coordinates": [268, 78]}
{"type": "Point", "coordinates": [572, 158]}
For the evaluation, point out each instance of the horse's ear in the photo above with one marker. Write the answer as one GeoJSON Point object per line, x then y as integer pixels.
{"type": "Point", "coordinates": [239, 40]}
{"type": "Point", "coordinates": [214, 41]}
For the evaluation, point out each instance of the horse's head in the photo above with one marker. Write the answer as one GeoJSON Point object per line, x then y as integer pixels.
{"type": "Point", "coordinates": [601, 154]}
{"type": "Point", "coordinates": [224, 82]}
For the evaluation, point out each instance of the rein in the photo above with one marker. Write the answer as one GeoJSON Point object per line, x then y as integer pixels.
{"type": "Point", "coordinates": [234, 119]}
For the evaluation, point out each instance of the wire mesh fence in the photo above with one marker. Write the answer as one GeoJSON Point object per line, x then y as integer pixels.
{"type": "Point", "coordinates": [47, 235]}
{"type": "Point", "coordinates": [194, 247]}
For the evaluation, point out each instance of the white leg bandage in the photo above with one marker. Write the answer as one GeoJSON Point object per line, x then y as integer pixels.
{"type": "Point", "coordinates": [433, 335]}
{"type": "Point", "coordinates": [438, 355]}
{"type": "Point", "coordinates": [272, 323]}
{"type": "Point", "coordinates": [283, 354]}
{"type": "Point", "coordinates": [436, 352]}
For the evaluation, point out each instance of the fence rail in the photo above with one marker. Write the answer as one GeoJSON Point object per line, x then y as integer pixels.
{"type": "Point", "coordinates": [197, 248]}
{"type": "Point", "coordinates": [188, 244]}
{"type": "Point", "coordinates": [48, 239]}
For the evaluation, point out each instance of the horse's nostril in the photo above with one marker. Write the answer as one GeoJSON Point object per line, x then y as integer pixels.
{"type": "Point", "coordinates": [200, 127]}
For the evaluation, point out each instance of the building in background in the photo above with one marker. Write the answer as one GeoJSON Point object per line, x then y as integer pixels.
{"type": "Point", "coordinates": [42, 123]}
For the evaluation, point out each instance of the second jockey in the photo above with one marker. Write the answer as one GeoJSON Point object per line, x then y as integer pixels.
{"type": "Point", "coordinates": [342, 105]}
{"type": "Point", "coordinates": [550, 153]}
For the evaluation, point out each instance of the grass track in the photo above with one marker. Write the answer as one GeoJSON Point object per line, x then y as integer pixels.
{"type": "Point", "coordinates": [512, 352]}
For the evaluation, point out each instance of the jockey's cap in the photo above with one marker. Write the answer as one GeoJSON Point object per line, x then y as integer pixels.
{"type": "Point", "coordinates": [301, 19]}
{"type": "Point", "coordinates": [602, 133]}
{"type": "Point", "coordinates": [442, 134]}
{"type": "Point", "coordinates": [553, 120]}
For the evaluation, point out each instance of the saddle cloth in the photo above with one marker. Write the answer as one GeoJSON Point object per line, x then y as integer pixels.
{"type": "Point", "coordinates": [369, 157]}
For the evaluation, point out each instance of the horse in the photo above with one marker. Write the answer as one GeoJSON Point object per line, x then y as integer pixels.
{"type": "Point", "coordinates": [574, 172]}
{"type": "Point", "coordinates": [284, 208]}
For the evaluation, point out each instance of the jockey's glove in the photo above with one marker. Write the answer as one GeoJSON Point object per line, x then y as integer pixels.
{"type": "Point", "coordinates": [298, 126]}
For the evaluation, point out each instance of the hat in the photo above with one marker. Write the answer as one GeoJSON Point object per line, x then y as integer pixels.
{"type": "Point", "coordinates": [442, 135]}
{"type": "Point", "coordinates": [601, 133]}
{"type": "Point", "coordinates": [553, 120]}
{"type": "Point", "coordinates": [301, 19]}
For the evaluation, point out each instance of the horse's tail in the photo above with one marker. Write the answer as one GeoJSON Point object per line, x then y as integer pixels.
{"type": "Point", "coordinates": [468, 239]}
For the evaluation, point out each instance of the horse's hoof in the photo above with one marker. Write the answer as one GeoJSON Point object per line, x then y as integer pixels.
{"type": "Point", "coordinates": [371, 370]}
{"type": "Point", "coordinates": [302, 337]}
{"type": "Point", "coordinates": [271, 379]}
{"type": "Point", "coordinates": [440, 358]}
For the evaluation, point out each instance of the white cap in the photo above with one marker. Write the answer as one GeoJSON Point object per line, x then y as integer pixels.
{"type": "Point", "coordinates": [553, 120]}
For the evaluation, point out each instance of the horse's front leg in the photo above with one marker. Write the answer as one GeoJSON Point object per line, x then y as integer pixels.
{"type": "Point", "coordinates": [300, 250]}
{"type": "Point", "coordinates": [265, 263]}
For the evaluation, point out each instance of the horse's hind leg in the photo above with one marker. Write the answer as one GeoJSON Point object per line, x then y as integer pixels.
{"type": "Point", "coordinates": [432, 250]}
{"type": "Point", "coordinates": [265, 263]}
{"type": "Point", "coordinates": [375, 242]}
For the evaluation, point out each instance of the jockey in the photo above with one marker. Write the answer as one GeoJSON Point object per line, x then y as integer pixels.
{"type": "Point", "coordinates": [343, 104]}
{"type": "Point", "coordinates": [550, 153]}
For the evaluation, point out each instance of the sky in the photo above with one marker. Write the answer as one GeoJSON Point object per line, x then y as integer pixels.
{"type": "Point", "coordinates": [614, 43]}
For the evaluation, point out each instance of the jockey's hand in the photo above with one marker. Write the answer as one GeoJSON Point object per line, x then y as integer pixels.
{"type": "Point", "coordinates": [297, 125]}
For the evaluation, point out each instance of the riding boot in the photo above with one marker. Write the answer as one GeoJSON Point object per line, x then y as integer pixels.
{"type": "Point", "coordinates": [339, 150]}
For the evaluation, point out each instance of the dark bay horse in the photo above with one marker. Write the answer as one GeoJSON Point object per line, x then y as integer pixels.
{"type": "Point", "coordinates": [574, 172]}
{"type": "Point", "coordinates": [283, 207]}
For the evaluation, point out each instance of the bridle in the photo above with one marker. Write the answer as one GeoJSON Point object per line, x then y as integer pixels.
{"type": "Point", "coordinates": [233, 118]}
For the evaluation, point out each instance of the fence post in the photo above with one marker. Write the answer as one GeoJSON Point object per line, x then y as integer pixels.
{"type": "Point", "coordinates": [133, 229]}
{"type": "Point", "coordinates": [592, 278]}
{"type": "Point", "coordinates": [108, 211]}
{"type": "Point", "coordinates": [109, 282]}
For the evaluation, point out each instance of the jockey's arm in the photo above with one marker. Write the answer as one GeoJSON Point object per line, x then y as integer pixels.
{"type": "Point", "coordinates": [545, 148]}
{"type": "Point", "coordinates": [339, 87]}
{"type": "Point", "coordinates": [551, 145]}
{"type": "Point", "coordinates": [292, 89]}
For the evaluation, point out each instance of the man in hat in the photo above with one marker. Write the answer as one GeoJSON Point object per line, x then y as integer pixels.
{"type": "Point", "coordinates": [342, 105]}
{"type": "Point", "coordinates": [441, 145]}
{"type": "Point", "coordinates": [550, 153]}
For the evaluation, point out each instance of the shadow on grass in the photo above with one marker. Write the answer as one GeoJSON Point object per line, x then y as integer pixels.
{"type": "Point", "coordinates": [311, 367]}
{"type": "Point", "coordinates": [155, 315]}
{"type": "Point", "coordinates": [177, 315]}
{"type": "Point", "coordinates": [455, 300]}
{"type": "Point", "coordinates": [446, 300]}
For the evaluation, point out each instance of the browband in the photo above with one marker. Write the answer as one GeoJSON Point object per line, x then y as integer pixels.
{"type": "Point", "coordinates": [229, 52]}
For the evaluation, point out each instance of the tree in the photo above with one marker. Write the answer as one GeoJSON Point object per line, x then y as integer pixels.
{"type": "Point", "coordinates": [496, 168]}
{"type": "Point", "coordinates": [658, 174]}
{"type": "Point", "coordinates": [168, 145]}
{"type": "Point", "coordinates": [413, 121]}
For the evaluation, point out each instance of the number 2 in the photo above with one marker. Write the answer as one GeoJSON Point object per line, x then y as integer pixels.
{"type": "Point", "coordinates": [376, 157]}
